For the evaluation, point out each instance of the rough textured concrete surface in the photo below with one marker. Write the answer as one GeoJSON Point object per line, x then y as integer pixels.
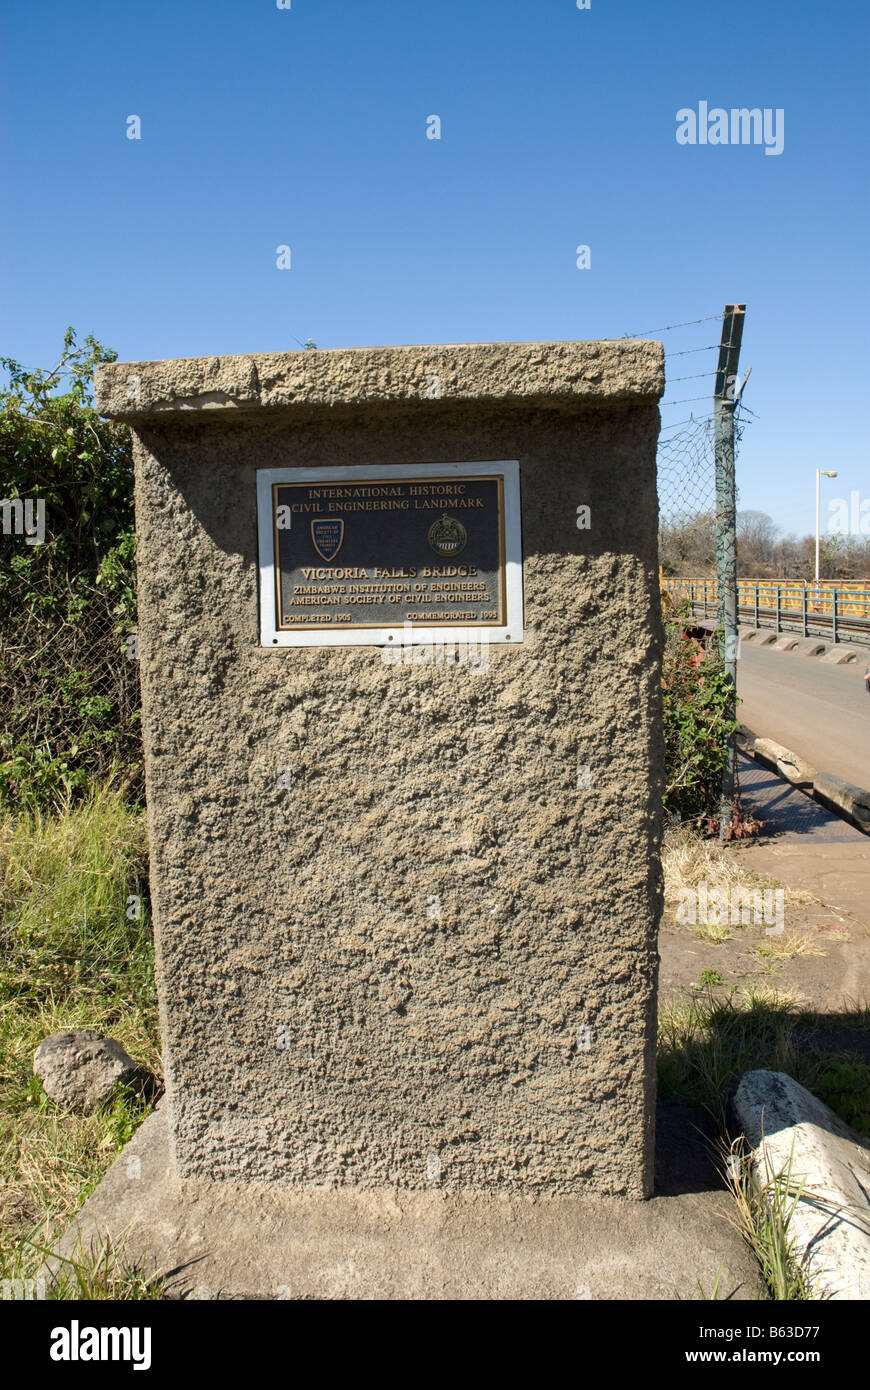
{"type": "Point", "coordinates": [266, 1240]}
{"type": "Point", "coordinates": [547, 374]}
{"type": "Point", "coordinates": [791, 1130]}
{"type": "Point", "coordinates": [319, 1026]}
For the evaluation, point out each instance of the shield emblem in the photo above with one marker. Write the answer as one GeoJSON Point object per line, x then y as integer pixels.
{"type": "Point", "coordinates": [327, 537]}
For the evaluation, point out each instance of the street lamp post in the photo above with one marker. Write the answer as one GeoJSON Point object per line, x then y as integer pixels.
{"type": "Point", "coordinates": [820, 473]}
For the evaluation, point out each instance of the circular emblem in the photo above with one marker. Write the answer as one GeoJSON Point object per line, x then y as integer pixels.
{"type": "Point", "coordinates": [447, 536]}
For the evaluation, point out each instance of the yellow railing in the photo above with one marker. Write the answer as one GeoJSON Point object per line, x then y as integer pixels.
{"type": "Point", "coordinates": [852, 595]}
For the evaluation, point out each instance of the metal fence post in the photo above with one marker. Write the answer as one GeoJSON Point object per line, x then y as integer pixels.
{"type": "Point", "coordinates": [805, 609]}
{"type": "Point", "coordinates": [756, 605]}
{"type": "Point", "coordinates": [778, 608]}
{"type": "Point", "coordinates": [834, 613]}
{"type": "Point", "coordinates": [726, 531]}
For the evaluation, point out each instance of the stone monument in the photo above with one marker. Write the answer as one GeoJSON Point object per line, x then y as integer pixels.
{"type": "Point", "coordinates": [400, 660]}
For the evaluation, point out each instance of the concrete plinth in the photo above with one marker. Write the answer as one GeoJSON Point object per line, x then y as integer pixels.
{"type": "Point", "coordinates": [405, 913]}
{"type": "Point", "coordinates": [269, 1240]}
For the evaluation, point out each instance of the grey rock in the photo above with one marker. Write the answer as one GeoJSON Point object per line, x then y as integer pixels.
{"type": "Point", "coordinates": [81, 1068]}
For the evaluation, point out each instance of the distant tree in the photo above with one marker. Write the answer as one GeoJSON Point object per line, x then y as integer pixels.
{"type": "Point", "coordinates": [756, 544]}
{"type": "Point", "coordinates": [688, 547]}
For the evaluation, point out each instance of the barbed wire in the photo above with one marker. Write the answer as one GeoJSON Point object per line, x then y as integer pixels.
{"type": "Point", "coordinates": [669, 327]}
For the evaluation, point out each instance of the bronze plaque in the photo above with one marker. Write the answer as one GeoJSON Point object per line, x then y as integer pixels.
{"type": "Point", "coordinates": [381, 552]}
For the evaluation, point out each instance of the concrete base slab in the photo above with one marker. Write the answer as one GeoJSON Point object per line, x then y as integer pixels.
{"type": "Point", "coordinates": [838, 655]}
{"type": "Point", "coordinates": [765, 638]}
{"type": "Point", "coordinates": [809, 646]}
{"type": "Point", "coordinates": [214, 1239]}
{"type": "Point", "coordinates": [785, 643]}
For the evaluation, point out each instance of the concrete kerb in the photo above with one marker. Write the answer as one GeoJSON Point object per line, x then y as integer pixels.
{"type": "Point", "coordinates": [843, 799]}
{"type": "Point", "coordinates": [775, 756]}
{"type": "Point", "coordinates": [840, 655]}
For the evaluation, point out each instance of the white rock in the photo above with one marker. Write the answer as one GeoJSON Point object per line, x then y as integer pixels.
{"type": "Point", "coordinates": [784, 1123]}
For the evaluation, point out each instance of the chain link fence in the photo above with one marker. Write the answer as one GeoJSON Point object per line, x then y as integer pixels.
{"type": "Point", "coordinates": [69, 686]}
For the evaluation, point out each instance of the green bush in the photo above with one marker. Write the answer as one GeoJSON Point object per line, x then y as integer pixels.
{"type": "Point", "coordinates": [697, 702]}
{"type": "Point", "coordinates": [69, 697]}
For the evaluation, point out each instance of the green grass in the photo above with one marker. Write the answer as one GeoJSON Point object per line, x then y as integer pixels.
{"type": "Point", "coordinates": [707, 1041]}
{"type": "Point", "coordinates": [765, 1202]}
{"type": "Point", "coordinates": [710, 978]}
{"type": "Point", "coordinates": [710, 931]}
{"type": "Point", "coordinates": [71, 957]}
{"type": "Point", "coordinates": [100, 1273]}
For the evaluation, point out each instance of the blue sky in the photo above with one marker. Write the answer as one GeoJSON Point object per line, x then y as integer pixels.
{"type": "Point", "coordinates": [307, 127]}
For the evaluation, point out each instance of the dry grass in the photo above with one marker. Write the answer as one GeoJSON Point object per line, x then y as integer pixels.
{"type": "Point", "coordinates": [786, 947]}
{"type": "Point", "coordinates": [688, 861]}
{"type": "Point", "coordinates": [71, 957]}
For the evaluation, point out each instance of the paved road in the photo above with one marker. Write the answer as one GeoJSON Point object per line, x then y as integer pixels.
{"type": "Point", "coordinates": [817, 710]}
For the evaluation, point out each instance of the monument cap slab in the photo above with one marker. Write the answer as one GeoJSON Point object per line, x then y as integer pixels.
{"type": "Point", "coordinates": [550, 374]}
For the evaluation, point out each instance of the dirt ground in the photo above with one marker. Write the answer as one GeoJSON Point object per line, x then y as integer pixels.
{"type": "Point", "coordinates": [821, 960]}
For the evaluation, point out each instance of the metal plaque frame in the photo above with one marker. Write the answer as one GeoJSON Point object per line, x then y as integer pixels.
{"type": "Point", "coordinates": [428, 633]}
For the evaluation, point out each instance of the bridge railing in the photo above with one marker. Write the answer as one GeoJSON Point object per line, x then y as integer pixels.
{"type": "Point", "coordinates": [837, 611]}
